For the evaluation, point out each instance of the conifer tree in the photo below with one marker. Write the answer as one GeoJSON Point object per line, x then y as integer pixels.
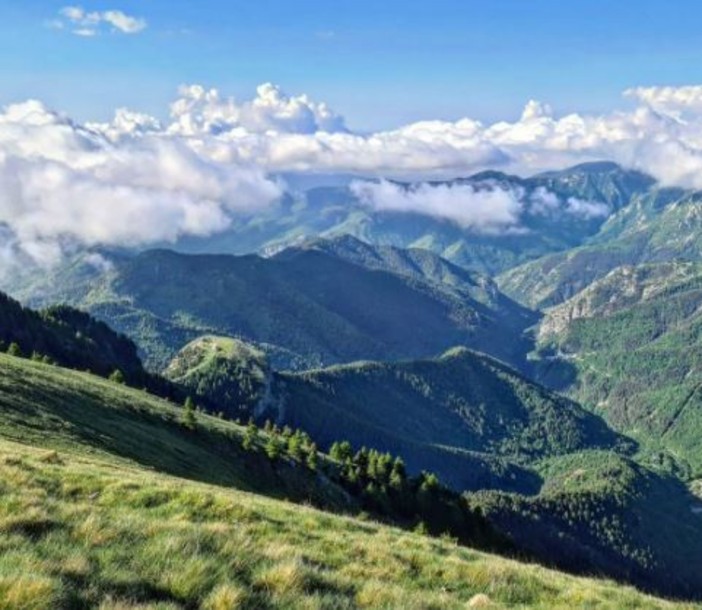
{"type": "Point", "coordinates": [189, 417]}
{"type": "Point", "coordinates": [116, 376]}
{"type": "Point", "coordinates": [14, 350]}
{"type": "Point", "coordinates": [250, 435]}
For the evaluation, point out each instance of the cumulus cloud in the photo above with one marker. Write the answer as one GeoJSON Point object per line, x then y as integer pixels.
{"type": "Point", "coordinates": [542, 202]}
{"type": "Point", "coordinates": [91, 23]}
{"type": "Point", "coordinates": [485, 206]}
{"type": "Point", "coordinates": [137, 179]}
{"type": "Point", "coordinates": [205, 111]}
{"type": "Point", "coordinates": [63, 184]}
{"type": "Point", "coordinates": [674, 101]}
{"type": "Point", "coordinates": [587, 209]}
{"type": "Point", "coordinates": [284, 133]}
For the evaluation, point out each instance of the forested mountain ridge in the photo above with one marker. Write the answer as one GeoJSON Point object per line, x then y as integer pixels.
{"type": "Point", "coordinates": [550, 218]}
{"type": "Point", "coordinates": [304, 307]}
{"type": "Point", "coordinates": [71, 338]}
{"type": "Point", "coordinates": [628, 347]}
{"type": "Point", "coordinates": [468, 417]}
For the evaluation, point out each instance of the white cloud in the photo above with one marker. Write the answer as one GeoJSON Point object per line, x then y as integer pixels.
{"type": "Point", "coordinates": [62, 184]}
{"type": "Point", "coordinates": [284, 133]}
{"type": "Point", "coordinates": [587, 209]}
{"type": "Point", "coordinates": [204, 111]}
{"type": "Point", "coordinates": [485, 210]}
{"type": "Point", "coordinates": [91, 23]}
{"type": "Point", "coordinates": [543, 202]}
{"type": "Point", "coordinates": [124, 23]}
{"type": "Point", "coordinates": [137, 180]}
{"type": "Point", "coordinates": [669, 100]}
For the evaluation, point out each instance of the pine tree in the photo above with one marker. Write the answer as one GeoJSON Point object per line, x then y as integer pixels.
{"type": "Point", "coordinates": [15, 350]}
{"type": "Point", "coordinates": [250, 435]}
{"type": "Point", "coordinates": [311, 460]}
{"type": "Point", "coordinates": [189, 417]}
{"type": "Point", "coordinates": [294, 446]}
{"type": "Point", "coordinates": [341, 452]}
{"type": "Point", "coordinates": [273, 449]}
{"type": "Point", "coordinates": [116, 376]}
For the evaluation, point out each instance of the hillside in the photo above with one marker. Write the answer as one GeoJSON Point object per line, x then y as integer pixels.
{"type": "Point", "coordinates": [94, 438]}
{"type": "Point", "coordinates": [225, 372]}
{"type": "Point", "coordinates": [86, 533]}
{"type": "Point", "coordinates": [662, 225]}
{"type": "Point", "coordinates": [307, 308]}
{"type": "Point", "coordinates": [93, 515]}
{"type": "Point", "coordinates": [602, 508]}
{"type": "Point", "coordinates": [71, 338]}
{"type": "Point", "coordinates": [63, 410]}
{"type": "Point", "coordinates": [461, 400]}
{"type": "Point", "coordinates": [422, 265]}
{"type": "Point", "coordinates": [465, 416]}
{"type": "Point", "coordinates": [628, 347]}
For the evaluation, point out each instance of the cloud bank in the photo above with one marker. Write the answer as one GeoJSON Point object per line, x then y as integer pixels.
{"type": "Point", "coordinates": [661, 135]}
{"type": "Point", "coordinates": [62, 184]}
{"type": "Point", "coordinates": [139, 179]}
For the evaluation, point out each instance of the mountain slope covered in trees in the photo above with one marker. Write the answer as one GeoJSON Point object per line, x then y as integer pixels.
{"type": "Point", "coordinates": [628, 347]}
{"type": "Point", "coordinates": [305, 308]}
{"type": "Point", "coordinates": [71, 338]}
{"type": "Point", "coordinates": [471, 419]}
{"type": "Point", "coordinates": [548, 218]}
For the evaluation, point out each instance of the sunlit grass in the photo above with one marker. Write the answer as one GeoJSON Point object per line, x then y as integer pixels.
{"type": "Point", "coordinates": [79, 532]}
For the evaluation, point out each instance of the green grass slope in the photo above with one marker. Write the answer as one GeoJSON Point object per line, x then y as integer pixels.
{"type": "Point", "coordinates": [78, 532]}
{"type": "Point", "coordinates": [61, 409]}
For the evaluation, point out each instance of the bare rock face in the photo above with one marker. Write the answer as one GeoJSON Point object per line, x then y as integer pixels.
{"type": "Point", "coordinates": [621, 288]}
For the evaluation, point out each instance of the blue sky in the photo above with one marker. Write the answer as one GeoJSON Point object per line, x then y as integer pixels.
{"type": "Point", "coordinates": [378, 63]}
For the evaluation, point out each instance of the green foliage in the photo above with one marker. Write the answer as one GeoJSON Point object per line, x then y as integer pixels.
{"type": "Point", "coordinates": [274, 447]}
{"type": "Point", "coordinates": [341, 451]}
{"type": "Point", "coordinates": [599, 503]}
{"type": "Point", "coordinates": [73, 339]}
{"type": "Point", "coordinates": [117, 377]}
{"type": "Point", "coordinates": [452, 415]}
{"type": "Point", "coordinates": [15, 350]}
{"type": "Point", "coordinates": [637, 348]}
{"type": "Point", "coordinates": [189, 416]}
{"type": "Point", "coordinates": [250, 436]}
{"type": "Point", "coordinates": [223, 372]}
{"type": "Point", "coordinates": [311, 460]}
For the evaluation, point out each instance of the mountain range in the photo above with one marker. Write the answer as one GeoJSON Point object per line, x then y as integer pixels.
{"type": "Point", "coordinates": [546, 371]}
